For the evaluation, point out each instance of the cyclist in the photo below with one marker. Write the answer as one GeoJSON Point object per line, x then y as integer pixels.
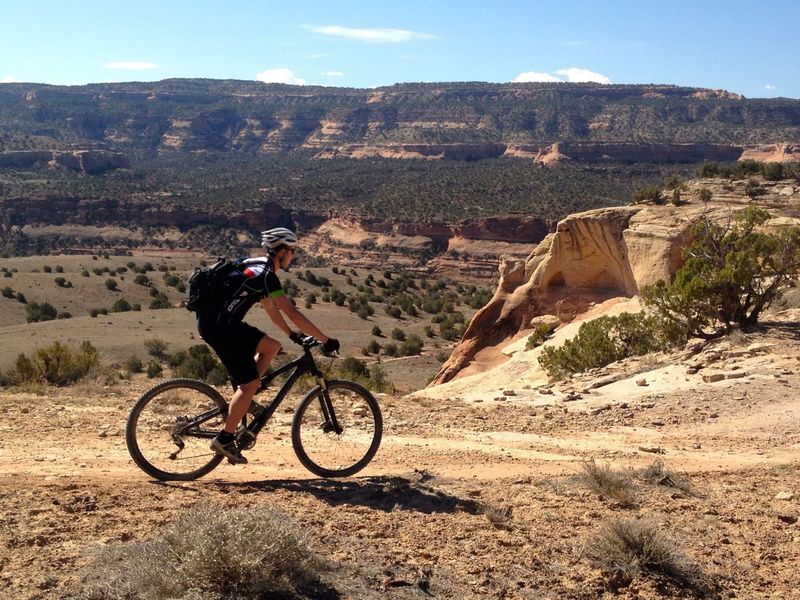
{"type": "Point", "coordinates": [245, 351]}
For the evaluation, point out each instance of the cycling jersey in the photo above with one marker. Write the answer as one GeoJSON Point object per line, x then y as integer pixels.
{"type": "Point", "coordinates": [252, 281]}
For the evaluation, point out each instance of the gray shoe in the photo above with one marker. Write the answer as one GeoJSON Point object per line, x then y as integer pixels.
{"type": "Point", "coordinates": [230, 451]}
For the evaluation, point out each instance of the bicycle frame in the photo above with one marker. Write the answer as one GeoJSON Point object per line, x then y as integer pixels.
{"type": "Point", "coordinates": [302, 365]}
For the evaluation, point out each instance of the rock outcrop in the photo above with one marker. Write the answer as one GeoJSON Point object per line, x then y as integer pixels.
{"type": "Point", "coordinates": [592, 257]}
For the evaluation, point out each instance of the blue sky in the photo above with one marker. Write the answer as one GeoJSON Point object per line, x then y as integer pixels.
{"type": "Point", "coordinates": [745, 47]}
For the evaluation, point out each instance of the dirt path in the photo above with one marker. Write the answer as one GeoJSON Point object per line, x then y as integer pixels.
{"type": "Point", "coordinates": [463, 499]}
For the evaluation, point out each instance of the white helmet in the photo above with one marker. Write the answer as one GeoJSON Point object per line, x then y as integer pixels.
{"type": "Point", "coordinates": [272, 238]}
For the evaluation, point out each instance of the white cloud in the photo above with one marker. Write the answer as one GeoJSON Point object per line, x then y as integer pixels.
{"type": "Point", "coordinates": [131, 66]}
{"type": "Point", "coordinates": [333, 73]}
{"type": "Point", "coordinates": [9, 80]}
{"type": "Point", "coordinates": [533, 76]}
{"type": "Point", "coordinates": [769, 86]}
{"type": "Point", "coordinates": [316, 56]}
{"type": "Point", "coordinates": [280, 76]}
{"type": "Point", "coordinates": [572, 75]}
{"type": "Point", "coordinates": [373, 36]}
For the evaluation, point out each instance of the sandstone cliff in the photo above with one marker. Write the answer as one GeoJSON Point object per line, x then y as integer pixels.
{"type": "Point", "coordinates": [91, 162]}
{"type": "Point", "coordinates": [591, 258]}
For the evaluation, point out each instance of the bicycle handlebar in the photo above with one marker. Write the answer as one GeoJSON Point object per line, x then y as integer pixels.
{"type": "Point", "coordinates": [309, 341]}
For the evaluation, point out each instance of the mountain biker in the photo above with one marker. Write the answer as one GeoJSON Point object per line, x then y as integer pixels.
{"type": "Point", "coordinates": [245, 351]}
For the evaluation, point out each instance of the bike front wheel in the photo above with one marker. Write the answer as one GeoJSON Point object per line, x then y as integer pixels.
{"type": "Point", "coordinates": [171, 427]}
{"type": "Point", "coordinates": [336, 430]}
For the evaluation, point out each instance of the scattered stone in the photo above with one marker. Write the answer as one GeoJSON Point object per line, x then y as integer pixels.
{"type": "Point", "coordinates": [549, 321]}
{"type": "Point", "coordinates": [784, 496]}
{"type": "Point", "coordinates": [713, 377]}
{"type": "Point", "coordinates": [657, 422]}
{"type": "Point", "coordinates": [545, 390]}
{"type": "Point", "coordinates": [572, 396]}
{"type": "Point", "coordinates": [692, 370]}
{"type": "Point", "coordinates": [509, 393]}
{"type": "Point", "coordinates": [641, 382]}
{"type": "Point", "coordinates": [755, 348]}
{"type": "Point", "coordinates": [599, 409]}
{"type": "Point", "coordinates": [653, 449]}
{"type": "Point", "coordinates": [787, 518]}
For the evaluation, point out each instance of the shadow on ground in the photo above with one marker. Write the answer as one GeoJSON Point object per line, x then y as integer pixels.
{"type": "Point", "coordinates": [379, 493]}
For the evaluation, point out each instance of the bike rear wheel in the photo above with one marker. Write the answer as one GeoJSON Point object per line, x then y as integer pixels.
{"type": "Point", "coordinates": [171, 427]}
{"type": "Point", "coordinates": [337, 430]}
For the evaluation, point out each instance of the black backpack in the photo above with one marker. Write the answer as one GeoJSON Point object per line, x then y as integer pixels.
{"type": "Point", "coordinates": [207, 289]}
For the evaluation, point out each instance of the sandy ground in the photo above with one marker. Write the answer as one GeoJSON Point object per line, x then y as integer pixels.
{"type": "Point", "coordinates": [464, 499]}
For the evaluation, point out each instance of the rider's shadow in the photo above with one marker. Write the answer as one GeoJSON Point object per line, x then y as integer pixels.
{"type": "Point", "coordinates": [387, 493]}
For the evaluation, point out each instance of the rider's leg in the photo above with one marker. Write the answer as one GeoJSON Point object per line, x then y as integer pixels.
{"type": "Point", "coordinates": [267, 349]}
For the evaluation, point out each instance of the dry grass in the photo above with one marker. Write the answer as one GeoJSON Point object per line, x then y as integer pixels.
{"type": "Point", "coordinates": [658, 474]}
{"type": "Point", "coordinates": [609, 484]}
{"type": "Point", "coordinates": [627, 548]}
{"type": "Point", "coordinates": [211, 552]}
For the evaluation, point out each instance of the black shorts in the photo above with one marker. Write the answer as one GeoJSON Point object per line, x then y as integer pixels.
{"type": "Point", "coordinates": [235, 344]}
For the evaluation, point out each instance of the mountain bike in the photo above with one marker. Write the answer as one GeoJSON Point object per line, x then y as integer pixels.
{"type": "Point", "coordinates": [336, 429]}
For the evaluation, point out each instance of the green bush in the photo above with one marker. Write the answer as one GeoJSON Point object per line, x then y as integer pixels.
{"type": "Point", "coordinates": [211, 552]}
{"type": "Point", "coordinates": [134, 364]}
{"type": "Point", "coordinates": [539, 335]}
{"type": "Point", "coordinates": [35, 312]}
{"type": "Point", "coordinates": [731, 275]}
{"type": "Point", "coordinates": [111, 284]}
{"type": "Point", "coordinates": [121, 305]}
{"type": "Point", "coordinates": [398, 334]}
{"type": "Point", "coordinates": [56, 364]}
{"type": "Point", "coordinates": [7, 292]}
{"type": "Point", "coordinates": [156, 347]}
{"type": "Point", "coordinates": [648, 194]}
{"type": "Point", "coordinates": [376, 331]}
{"type": "Point", "coordinates": [141, 280]}
{"type": "Point", "coordinates": [154, 369]}
{"type": "Point", "coordinates": [604, 340]}
{"type": "Point", "coordinates": [199, 363]}
{"type": "Point", "coordinates": [373, 378]}
{"type": "Point", "coordinates": [411, 346]}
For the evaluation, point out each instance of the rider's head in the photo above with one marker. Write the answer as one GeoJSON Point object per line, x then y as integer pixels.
{"type": "Point", "coordinates": [279, 243]}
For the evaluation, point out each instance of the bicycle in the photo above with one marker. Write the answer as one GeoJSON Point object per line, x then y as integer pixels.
{"type": "Point", "coordinates": [170, 427]}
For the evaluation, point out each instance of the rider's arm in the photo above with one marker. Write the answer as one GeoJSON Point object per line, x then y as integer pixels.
{"type": "Point", "coordinates": [284, 304]}
{"type": "Point", "coordinates": [275, 315]}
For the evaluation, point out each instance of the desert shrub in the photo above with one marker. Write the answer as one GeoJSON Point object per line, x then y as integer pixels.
{"type": "Point", "coordinates": [155, 347]}
{"type": "Point", "coordinates": [627, 548]}
{"type": "Point", "coordinates": [376, 331]}
{"type": "Point", "coordinates": [648, 194]}
{"type": "Point", "coordinates": [604, 340]}
{"type": "Point", "coordinates": [374, 347]}
{"type": "Point", "coordinates": [111, 284]}
{"type": "Point", "coordinates": [47, 269]}
{"type": "Point", "coordinates": [211, 552]}
{"type": "Point", "coordinates": [731, 275]}
{"type": "Point", "coordinates": [753, 188]}
{"type": "Point", "coordinates": [773, 171]}
{"type": "Point", "coordinates": [608, 483]}
{"type": "Point", "coordinates": [160, 301]}
{"type": "Point", "coordinates": [373, 378]}
{"type": "Point", "coordinates": [390, 349]}
{"type": "Point", "coordinates": [133, 364]}
{"type": "Point", "coordinates": [411, 346]}
{"type": "Point", "coordinates": [539, 335]}
{"type": "Point", "coordinates": [398, 334]}
{"type": "Point", "coordinates": [121, 305]}
{"type": "Point", "coordinates": [7, 292]}
{"type": "Point", "coordinates": [393, 311]}
{"type": "Point", "coordinates": [154, 369]}
{"type": "Point", "coordinates": [171, 280]}
{"type": "Point", "coordinates": [141, 279]}
{"type": "Point", "coordinates": [704, 195]}
{"type": "Point", "coordinates": [93, 312]}
{"type": "Point", "coordinates": [56, 364]}
{"type": "Point", "coordinates": [657, 474]}
{"type": "Point", "coordinates": [64, 315]}
{"type": "Point", "coordinates": [199, 363]}
{"type": "Point", "coordinates": [35, 312]}
{"type": "Point", "coordinates": [59, 269]}
{"type": "Point", "coordinates": [21, 298]}
{"type": "Point", "coordinates": [62, 282]}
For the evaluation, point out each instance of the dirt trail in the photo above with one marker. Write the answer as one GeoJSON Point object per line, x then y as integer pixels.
{"type": "Point", "coordinates": [463, 499]}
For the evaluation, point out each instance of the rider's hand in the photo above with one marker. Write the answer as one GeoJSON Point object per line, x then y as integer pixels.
{"type": "Point", "coordinates": [297, 337]}
{"type": "Point", "coordinates": [331, 346]}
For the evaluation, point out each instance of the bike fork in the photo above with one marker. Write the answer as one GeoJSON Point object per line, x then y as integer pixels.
{"type": "Point", "coordinates": [326, 406]}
